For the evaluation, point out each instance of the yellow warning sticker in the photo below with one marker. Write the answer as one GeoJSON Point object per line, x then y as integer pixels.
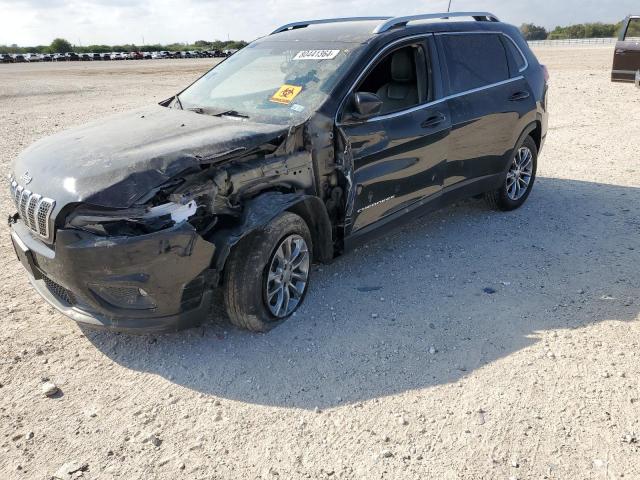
{"type": "Point", "coordinates": [286, 94]}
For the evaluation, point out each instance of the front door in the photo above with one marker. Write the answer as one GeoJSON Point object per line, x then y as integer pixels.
{"type": "Point", "coordinates": [398, 155]}
{"type": "Point", "coordinates": [626, 60]}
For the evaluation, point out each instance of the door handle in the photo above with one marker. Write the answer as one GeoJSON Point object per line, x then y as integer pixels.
{"type": "Point", "coordinates": [620, 51]}
{"type": "Point", "coordinates": [519, 96]}
{"type": "Point", "coordinates": [433, 121]}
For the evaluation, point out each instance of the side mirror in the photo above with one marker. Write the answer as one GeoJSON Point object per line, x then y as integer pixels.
{"type": "Point", "coordinates": [366, 105]}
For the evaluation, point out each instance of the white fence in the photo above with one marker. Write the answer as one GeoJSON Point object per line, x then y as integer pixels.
{"type": "Point", "coordinates": [573, 42]}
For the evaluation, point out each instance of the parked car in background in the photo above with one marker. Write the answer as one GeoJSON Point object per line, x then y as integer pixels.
{"type": "Point", "coordinates": [236, 184]}
{"type": "Point", "coordinates": [46, 57]}
{"type": "Point", "coordinates": [32, 57]}
{"type": "Point", "coordinates": [146, 55]}
{"type": "Point", "coordinates": [162, 54]}
{"type": "Point", "coordinates": [18, 58]}
{"type": "Point", "coordinates": [626, 59]}
{"type": "Point", "coordinates": [58, 57]}
{"type": "Point", "coordinates": [135, 56]}
{"type": "Point", "coordinates": [72, 56]}
{"type": "Point", "coordinates": [117, 56]}
{"type": "Point", "coordinates": [5, 58]}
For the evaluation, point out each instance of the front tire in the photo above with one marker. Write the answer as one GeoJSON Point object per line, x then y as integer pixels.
{"type": "Point", "coordinates": [519, 179]}
{"type": "Point", "coordinates": [267, 274]}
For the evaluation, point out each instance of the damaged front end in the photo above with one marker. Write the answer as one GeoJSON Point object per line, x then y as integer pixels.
{"type": "Point", "coordinates": [128, 222]}
{"type": "Point", "coordinates": [195, 198]}
{"type": "Point", "coordinates": [154, 265]}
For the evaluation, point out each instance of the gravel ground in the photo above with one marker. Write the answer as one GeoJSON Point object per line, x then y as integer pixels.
{"type": "Point", "coordinates": [469, 344]}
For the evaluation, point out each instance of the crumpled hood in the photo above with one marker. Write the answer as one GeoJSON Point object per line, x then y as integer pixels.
{"type": "Point", "coordinates": [115, 161]}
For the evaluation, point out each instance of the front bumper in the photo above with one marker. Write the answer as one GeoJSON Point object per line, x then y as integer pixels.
{"type": "Point", "coordinates": [171, 268]}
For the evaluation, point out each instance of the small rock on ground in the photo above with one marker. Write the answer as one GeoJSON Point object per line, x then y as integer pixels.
{"type": "Point", "coordinates": [49, 389]}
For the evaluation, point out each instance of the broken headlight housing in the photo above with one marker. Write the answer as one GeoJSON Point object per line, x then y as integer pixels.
{"type": "Point", "coordinates": [130, 221]}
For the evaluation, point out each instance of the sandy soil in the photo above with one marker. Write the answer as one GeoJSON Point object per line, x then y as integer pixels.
{"type": "Point", "coordinates": [398, 366]}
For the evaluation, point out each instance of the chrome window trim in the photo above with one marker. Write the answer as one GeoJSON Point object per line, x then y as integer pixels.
{"type": "Point", "coordinates": [524, 57]}
{"type": "Point", "coordinates": [489, 32]}
{"type": "Point", "coordinates": [435, 102]}
{"type": "Point", "coordinates": [443, 99]}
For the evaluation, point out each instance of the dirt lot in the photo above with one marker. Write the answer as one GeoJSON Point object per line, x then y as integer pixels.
{"type": "Point", "coordinates": [399, 365]}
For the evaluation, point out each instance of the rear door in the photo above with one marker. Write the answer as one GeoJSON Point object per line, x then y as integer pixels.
{"type": "Point", "coordinates": [626, 60]}
{"type": "Point", "coordinates": [490, 103]}
{"type": "Point", "coordinates": [398, 156]}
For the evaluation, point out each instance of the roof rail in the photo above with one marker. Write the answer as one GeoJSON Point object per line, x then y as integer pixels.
{"type": "Point", "coordinates": [294, 25]}
{"type": "Point", "coordinates": [402, 21]}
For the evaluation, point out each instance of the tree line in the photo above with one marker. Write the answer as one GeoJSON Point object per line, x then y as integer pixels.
{"type": "Point", "coordinates": [60, 45]}
{"type": "Point", "coordinates": [529, 30]}
{"type": "Point", "coordinates": [581, 30]}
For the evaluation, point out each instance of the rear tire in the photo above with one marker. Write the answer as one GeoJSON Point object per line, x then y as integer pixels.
{"type": "Point", "coordinates": [519, 179]}
{"type": "Point", "coordinates": [259, 279]}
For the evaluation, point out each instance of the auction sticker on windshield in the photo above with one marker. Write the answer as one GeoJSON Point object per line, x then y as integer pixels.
{"type": "Point", "coordinates": [286, 94]}
{"type": "Point", "coordinates": [316, 55]}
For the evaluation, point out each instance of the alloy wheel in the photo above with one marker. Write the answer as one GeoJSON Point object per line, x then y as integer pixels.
{"type": "Point", "coordinates": [520, 174]}
{"type": "Point", "coordinates": [287, 276]}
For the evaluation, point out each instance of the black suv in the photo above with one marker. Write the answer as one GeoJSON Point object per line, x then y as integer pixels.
{"type": "Point", "coordinates": [293, 150]}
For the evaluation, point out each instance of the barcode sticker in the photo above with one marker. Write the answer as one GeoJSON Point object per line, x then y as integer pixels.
{"type": "Point", "coordinates": [316, 54]}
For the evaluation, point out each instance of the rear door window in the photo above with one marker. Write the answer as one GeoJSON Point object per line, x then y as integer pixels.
{"type": "Point", "coordinates": [474, 61]}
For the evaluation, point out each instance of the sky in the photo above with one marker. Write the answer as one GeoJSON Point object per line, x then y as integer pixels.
{"type": "Point", "coordinates": [86, 22]}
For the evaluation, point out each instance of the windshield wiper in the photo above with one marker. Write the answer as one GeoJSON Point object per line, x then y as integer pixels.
{"type": "Point", "coordinates": [216, 112]}
{"type": "Point", "coordinates": [231, 113]}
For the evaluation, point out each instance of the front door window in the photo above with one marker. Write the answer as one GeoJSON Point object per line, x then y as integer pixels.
{"type": "Point", "coordinates": [633, 31]}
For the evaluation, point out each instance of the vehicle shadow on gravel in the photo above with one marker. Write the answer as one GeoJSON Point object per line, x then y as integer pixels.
{"type": "Point", "coordinates": [425, 305]}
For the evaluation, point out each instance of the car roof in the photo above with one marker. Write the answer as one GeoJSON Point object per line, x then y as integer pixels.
{"type": "Point", "coordinates": [345, 31]}
{"type": "Point", "coordinates": [363, 30]}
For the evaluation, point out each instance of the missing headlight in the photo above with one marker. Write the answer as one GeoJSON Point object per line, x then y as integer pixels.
{"type": "Point", "coordinates": [131, 221]}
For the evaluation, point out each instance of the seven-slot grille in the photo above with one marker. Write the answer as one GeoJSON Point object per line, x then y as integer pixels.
{"type": "Point", "coordinates": [35, 210]}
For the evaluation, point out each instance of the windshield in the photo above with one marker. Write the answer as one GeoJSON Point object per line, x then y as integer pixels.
{"type": "Point", "coordinates": [270, 81]}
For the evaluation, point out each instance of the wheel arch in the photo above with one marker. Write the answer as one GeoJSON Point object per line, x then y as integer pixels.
{"type": "Point", "coordinates": [535, 133]}
{"type": "Point", "coordinates": [260, 210]}
{"type": "Point", "coordinates": [314, 213]}
{"type": "Point", "coordinates": [533, 129]}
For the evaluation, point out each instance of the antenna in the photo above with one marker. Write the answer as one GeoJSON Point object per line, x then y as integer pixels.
{"type": "Point", "coordinates": [449, 7]}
